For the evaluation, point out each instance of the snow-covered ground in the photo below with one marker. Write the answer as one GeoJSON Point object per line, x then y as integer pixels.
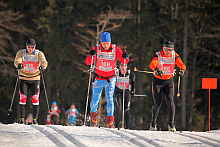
{"type": "Point", "coordinates": [16, 135]}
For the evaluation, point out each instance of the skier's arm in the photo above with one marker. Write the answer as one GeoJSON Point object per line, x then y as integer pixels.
{"type": "Point", "coordinates": [180, 63]}
{"type": "Point", "coordinates": [153, 64]}
{"type": "Point", "coordinates": [18, 59]}
{"type": "Point", "coordinates": [88, 60]}
{"type": "Point", "coordinates": [132, 81]}
{"type": "Point", "coordinates": [119, 56]}
{"type": "Point", "coordinates": [42, 60]}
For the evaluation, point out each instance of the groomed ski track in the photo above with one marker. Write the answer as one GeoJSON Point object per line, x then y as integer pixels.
{"type": "Point", "coordinates": [17, 135]}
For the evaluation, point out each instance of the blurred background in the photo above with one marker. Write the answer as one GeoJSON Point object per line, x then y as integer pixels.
{"type": "Point", "coordinates": [66, 29]}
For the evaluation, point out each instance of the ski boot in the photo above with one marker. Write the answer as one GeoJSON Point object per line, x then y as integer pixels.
{"type": "Point", "coordinates": [153, 128]}
{"type": "Point", "coordinates": [35, 121]}
{"type": "Point", "coordinates": [110, 122]}
{"type": "Point", "coordinates": [171, 128]}
{"type": "Point", "coordinates": [94, 120]}
{"type": "Point", "coordinates": [21, 121]}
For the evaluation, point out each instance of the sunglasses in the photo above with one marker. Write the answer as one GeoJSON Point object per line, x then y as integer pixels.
{"type": "Point", "coordinates": [168, 49]}
{"type": "Point", "coordinates": [30, 46]}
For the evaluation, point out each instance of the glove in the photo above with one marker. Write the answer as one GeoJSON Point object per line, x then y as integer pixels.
{"type": "Point", "coordinates": [158, 72]}
{"type": "Point", "coordinates": [41, 68]}
{"type": "Point", "coordinates": [125, 55]}
{"type": "Point", "coordinates": [132, 92]}
{"type": "Point", "coordinates": [20, 66]}
{"type": "Point", "coordinates": [181, 72]}
{"type": "Point", "coordinates": [92, 52]}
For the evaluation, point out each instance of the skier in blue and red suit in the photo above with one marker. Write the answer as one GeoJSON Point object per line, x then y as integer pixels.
{"type": "Point", "coordinates": [105, 56]}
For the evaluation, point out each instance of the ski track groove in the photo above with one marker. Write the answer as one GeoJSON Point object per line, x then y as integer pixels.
{"type": "Point", "coordinates": [208, 138]}
{"type": "Point", "coordinates": [132, 140]}
{"type": "Point", "coordinates": [144, 139]}
{"type": "Point", "coordinates": [68, 136]}
{"type": "Point", "coordinates": [49, 135]}
{"type": "Point", "coordinates": [192, 136]}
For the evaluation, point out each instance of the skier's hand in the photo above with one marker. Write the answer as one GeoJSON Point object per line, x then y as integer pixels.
{"type": "Point", "coordinates": [158, 72]}
{"type": "Point", "coordinates": [92, 52]}
{"type": "Point", "coordinates": [41, 68]}
{"type": "Point", "coordinates": [20, 66]}
{"type": "Point", "coordinates": [132, 92]}
{"type": "Point", "coordinates": [181, 72]}
{"type": "Point", "coordinates": [125, 55]}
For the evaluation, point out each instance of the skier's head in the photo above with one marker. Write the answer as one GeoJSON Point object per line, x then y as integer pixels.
{"type": "Point", "coordinates": [30, 45]}
{"type": "Point", "coordinates": [123, 68]}
{"type": "Point", "coordinates": [168, 46]}
{"type": "Point", "coordinates": [73, 106]}
{"type": "Point", "coordinates": [54, 106]}
{"type": "Point", "coordinates": [105, 39]}
{"type": "Point", "coordinates": [53, 103]}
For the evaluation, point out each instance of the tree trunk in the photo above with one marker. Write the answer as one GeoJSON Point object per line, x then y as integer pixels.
{"type": "Point", "coordinates": [185, 78]}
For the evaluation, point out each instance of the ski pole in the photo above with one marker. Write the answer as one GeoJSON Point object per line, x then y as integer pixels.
{"type": "Point", "coordinates": [123, 104]}
{"type": "Point", "coordinates": [88, 90]}
{"type": "Point", "coordinates": [178, 87]}
{"type": "Point", "coordinates": [144, 71]}
{"type": "Point", "coordinates": [45, 92]}
{"type": "Point", "coordinates": [13, 96]}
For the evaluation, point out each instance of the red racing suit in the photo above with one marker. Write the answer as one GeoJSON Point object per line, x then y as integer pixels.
{"type": "Point", "coordinates": [105, 61]}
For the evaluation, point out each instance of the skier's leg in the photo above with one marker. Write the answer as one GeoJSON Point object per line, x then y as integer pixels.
{"type": "Point", "coordinates": [109, 91]}
{"type": "Point", "coordinates": [157, 101]}
{"type": "Point", "coordinates": [97, 87]}
{"type": "Point", "coordinates": [117, 99]}
{"type": "Point", "coordinates": [23, 88]}
{"type": "Point", "coordinates": [171, 105]}
{"type": "Point", "coordinates": [127, 109]}
{"type": "Point", "coordinates": [35, 92]}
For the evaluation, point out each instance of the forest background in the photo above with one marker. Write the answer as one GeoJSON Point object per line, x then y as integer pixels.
{"type": "Point", "coordinates": [65, 30]}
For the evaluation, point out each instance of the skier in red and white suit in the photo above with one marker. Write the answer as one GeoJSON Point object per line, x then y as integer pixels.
{"type": "Point", "coordinates": [105, 57]}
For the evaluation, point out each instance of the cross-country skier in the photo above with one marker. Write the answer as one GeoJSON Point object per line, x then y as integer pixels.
{"type": "Point", "coordinates": [53, 117]}
{"type": "Point", "coordinates": [163, 64]}
{"type": "Point", "coordinates": [72, 115]}
{"type": "Point", "coordinates": [105, 56]}
{"type": "Point", "coordinates": [29, 62]}
{"type": "Point", "coordinates": [124, 81]}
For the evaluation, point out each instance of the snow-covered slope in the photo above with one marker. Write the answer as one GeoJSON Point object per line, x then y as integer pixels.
{"type": "Point", "coordinates": [16, 135]}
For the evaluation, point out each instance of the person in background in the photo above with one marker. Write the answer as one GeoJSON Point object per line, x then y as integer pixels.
{"type": "Point", "coordinates": [72, 115]}
{"type": "Point", "coordinates": [29, 63]}
{"type": "Point", "coordinates": [104, 57]}
{"type": "Point", "coordinates": [124, 82]}
{"type": "Point", "coordinates": [163, 64]}
{"type": "Point", "coordinates": [53, 117]}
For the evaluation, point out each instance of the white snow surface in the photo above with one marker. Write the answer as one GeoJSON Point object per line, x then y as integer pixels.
{"type": "Point", "coordinates": [18, 135]}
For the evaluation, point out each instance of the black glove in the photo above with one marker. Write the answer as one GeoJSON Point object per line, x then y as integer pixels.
{"type": "Point", "coordinates": [158, 72]}
{"type": "Point", "coordinates": [125, 55]}
{"type": "Point", "coordinates": [181, 72]}
{"type": "Point", "coordinates": [92, 52]}
{"type": "Point", "coordinates": [41, 68]}
{"type": "Point", "coordinates": [20, 66]}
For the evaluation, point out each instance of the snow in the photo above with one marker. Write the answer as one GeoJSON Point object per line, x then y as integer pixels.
{"type": "Point", "coordinates": [18, 135]}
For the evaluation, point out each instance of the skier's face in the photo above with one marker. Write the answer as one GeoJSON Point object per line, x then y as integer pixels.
{"type": "Point", "coordinates": [123, 69]}
{"type": "Point", "coordinates": [30, 48]}
{"type": "Point", "coordinates": [106, 45]}
{"type": "Point", "coordinates": [167, 51]}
